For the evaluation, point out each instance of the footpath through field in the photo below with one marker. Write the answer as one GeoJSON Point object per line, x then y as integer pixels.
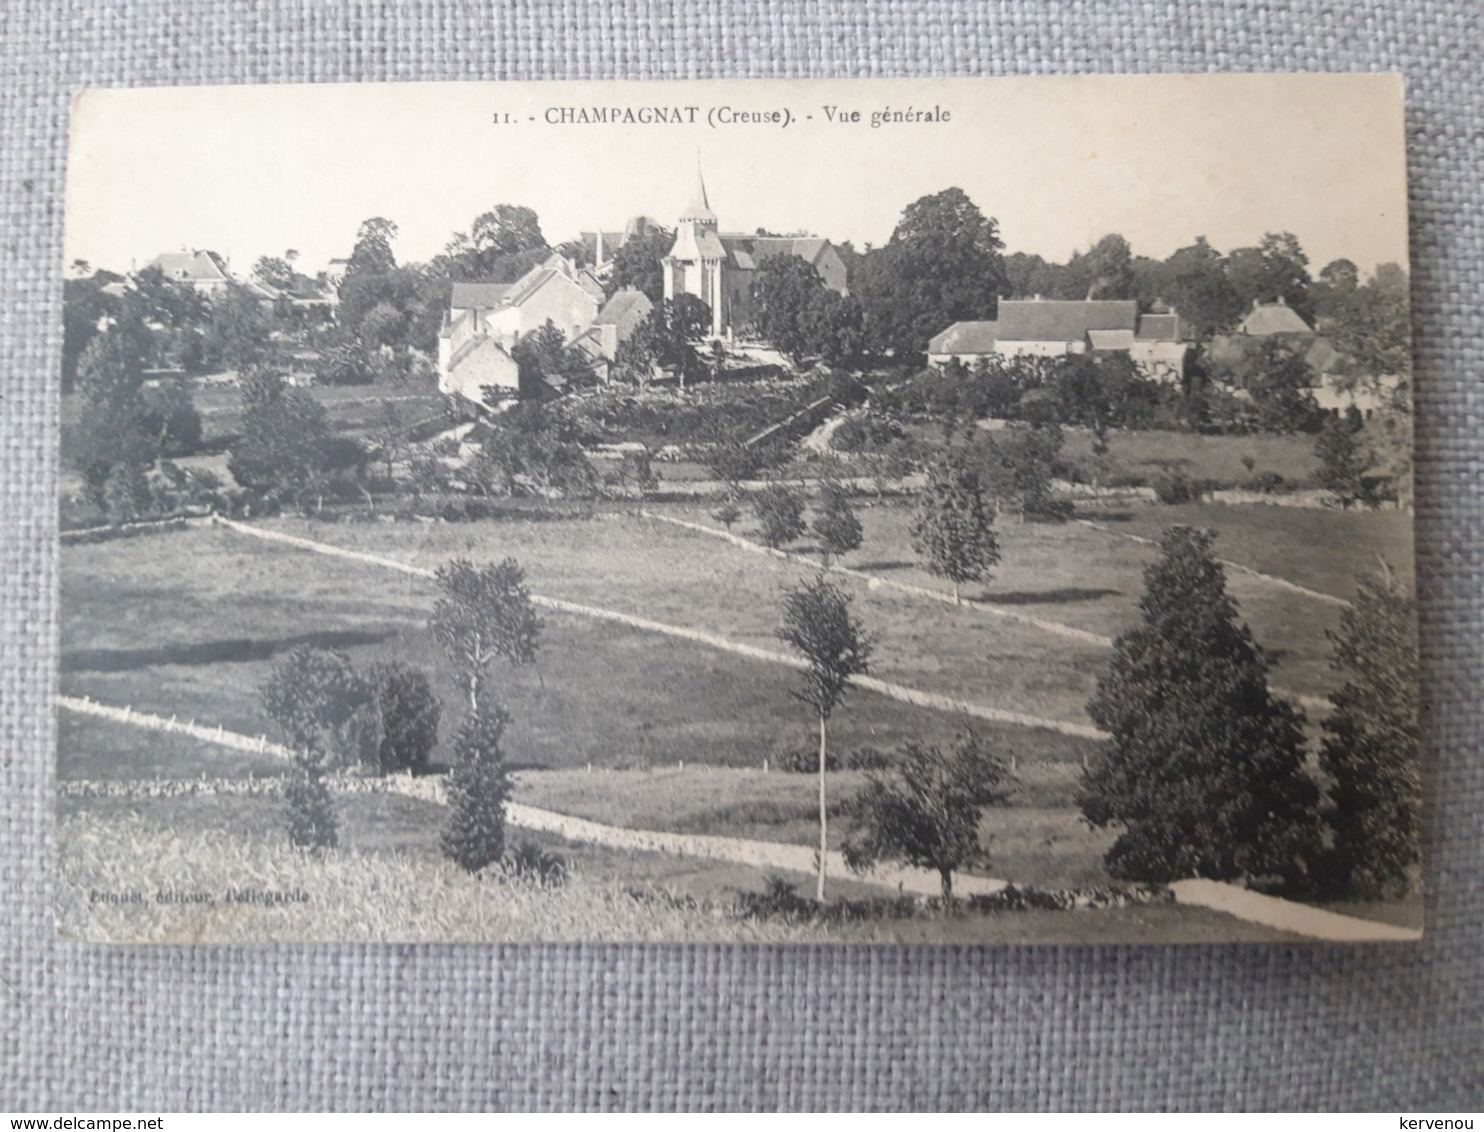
{"type": "Point", "coordinates": [1241, 903]}
{"type": "Point", "coordinates": [898, 692]}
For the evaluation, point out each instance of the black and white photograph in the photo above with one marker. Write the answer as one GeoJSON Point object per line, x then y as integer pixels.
{"type": "Point", "coordinates": [951, 511]}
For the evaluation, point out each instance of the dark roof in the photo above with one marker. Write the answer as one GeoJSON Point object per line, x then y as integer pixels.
{"type": "Point", "coordinates": [1052, 320]}
{"type": "Point", "coordinates": [1159, 328]}
{"type": "Point", "coordinates": [481, 296]}
{"type": "Point", "coordinates": [623, 306]}
{"type": "Point", "coordinates": [965, 338]}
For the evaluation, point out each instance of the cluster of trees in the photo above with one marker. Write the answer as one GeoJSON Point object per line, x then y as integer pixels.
{"type": "Point", "coordinates": [1205, 774]}
{"type": "Point", "coordinates": [333, 716]}
{"type": "Point", "coordinates": [129, 429]}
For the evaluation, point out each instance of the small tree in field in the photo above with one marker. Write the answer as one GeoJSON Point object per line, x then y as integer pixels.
{"type": "Point", "coordinates": [818, 623]}
{"type": "Point", "coordinates": [482, 614]}
{"type": "Point", "coordinates": [478, 787]}
{"type": "Point", "coordinates": [727, 514]}
{"type": "Point", "coordinates": [319, 702]}
{"type": "Point", "coordinates": [1204, 773]}
{"type": "Point", "coordinates": [780, 509]}
{"type": "Point", "coordinates": [954, 528]}
{"type": "Point", "coordinates": [1372, 744]}
{"type": "Point", "coordinates": [926, 811]}
{"type": "Point", "coordinates": [836, 525]}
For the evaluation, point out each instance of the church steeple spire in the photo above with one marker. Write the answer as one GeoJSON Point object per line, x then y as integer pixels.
{"type": "Point", "coordinates": [699, 209]}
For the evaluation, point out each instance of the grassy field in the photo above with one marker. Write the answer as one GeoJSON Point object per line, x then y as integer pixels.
{"type": "Point", "coordinates": [1092, 580]}
{"type": "Point", "coordinates": [1036, 838]}
{"type": "Point", "coordinates": [189, 623]}
{"type": "Point", "coordinates": [1146, 452]}
{"type": "Point", "coordinates": [691, 580]}
{"type": "Point", "coordinates": [142, 629]}
{"type": "Point", "coordinates": [405, 893]}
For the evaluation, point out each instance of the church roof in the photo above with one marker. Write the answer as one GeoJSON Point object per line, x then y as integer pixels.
{"type": "Point", "coordinates": [478, 296]}
{"type": "Point", "coordinates": [1052, 320]}
{"type": "Point", "coordinates": [965, 338]}
{"type": "Point", "coordinates": [1273, 318]}
{"type": "Point", "coordinates": [700, 205]}
{"type": "Point", "coordinates": [747, 252]}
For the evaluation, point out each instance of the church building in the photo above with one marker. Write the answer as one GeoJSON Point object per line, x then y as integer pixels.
{"type": "Point", "coordinates": [720, 268]}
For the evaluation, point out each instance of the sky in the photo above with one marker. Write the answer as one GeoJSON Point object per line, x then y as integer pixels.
{"type": "Point", "coordinates": [1059, 162]}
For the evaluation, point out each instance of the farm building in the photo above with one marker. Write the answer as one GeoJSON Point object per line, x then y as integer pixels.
{"type": "Point", "coordinates": [1157, 342]}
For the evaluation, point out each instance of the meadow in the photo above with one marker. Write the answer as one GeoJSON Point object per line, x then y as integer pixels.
{"type": "Point", "coordinates": [632, 728]}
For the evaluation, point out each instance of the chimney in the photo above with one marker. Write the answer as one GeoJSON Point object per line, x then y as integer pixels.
{"type": "Point", "coordinates": [598, 248]}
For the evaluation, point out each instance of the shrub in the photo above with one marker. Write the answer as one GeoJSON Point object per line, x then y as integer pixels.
{"type": "Point", "coordinates": [530, 864]}
{"type": "Point", "coordinates": [409, 712]}
{"type": "Point", "coordinates": [1173, 487]}
{"type": "Point", "coordinates": [1268, 483]}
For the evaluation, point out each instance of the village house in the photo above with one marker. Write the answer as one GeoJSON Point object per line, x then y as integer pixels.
{"type": "Point", "coordinates": [485, 321]}
{"type": "Point", "coordinates": [720, 268]}
{"type": "Point", "coordinates": [204, 271]}
{"type": "Point", "coordinates": [1331, 390]}
{"type": "Point", "coordinates": [1157, 343]}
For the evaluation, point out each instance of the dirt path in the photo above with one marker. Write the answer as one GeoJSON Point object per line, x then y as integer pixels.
{"type": "Point", "coordinates": [1270, 911]}
{"type": "Point", "coordinates": [897, 692]}
{"type": "Point", "coordinates": [1270, 579]}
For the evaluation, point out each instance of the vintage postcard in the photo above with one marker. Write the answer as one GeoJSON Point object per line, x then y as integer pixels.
{"type": "Point", "coordinates": [943, 511]}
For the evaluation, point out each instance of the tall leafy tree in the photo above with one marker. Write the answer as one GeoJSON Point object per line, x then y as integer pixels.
{"type": "Point", "coordinates": [784, 289]}
{"type": "Point", "coordinates": [953, 530]}
{"type": "Point", "coordinates": [1196, 284]}
{"type": "Point", "coordinates": [372, 253]}
{"type": "Point", "coordinates": [1204, 774]}
{"type": "Point", "coordinates": [1277, 268]}
{"type": "Point", "coordinates": [285, 449]}
{"type": "Point", "coordinates": [409, 711]}
{"type": "Point", "coordinates": [819, 625]}
{"type": "Point", "coordinates": [483, 614]}
{"type": "Point", "coordinates": [116, 437]}
{"type": "Point", "coordinates": [639, 263]}
{"type": "Point", "coordinates": [926, 810]}
{"type": "Point", "coordinates": [941, 265]}
{"type": "Point", "coordinates": [1372, 742]}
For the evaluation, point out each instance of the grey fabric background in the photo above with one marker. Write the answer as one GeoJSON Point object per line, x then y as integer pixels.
{"type": "Point", "coordinates": [716, 1027]}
